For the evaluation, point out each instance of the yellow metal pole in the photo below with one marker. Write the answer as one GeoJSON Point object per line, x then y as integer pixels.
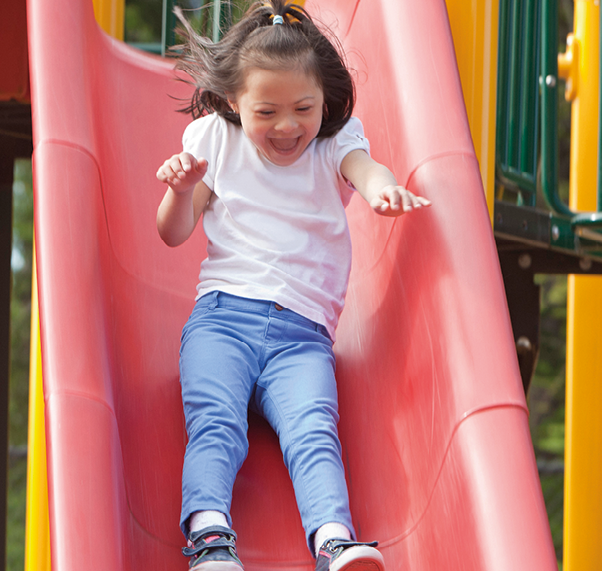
{"type": "Point", "coordinates": [474, 28]}
{"type": "Point", "coordinates": [583, 440]}
{"type": "Point", "coordinates": [37, 528]}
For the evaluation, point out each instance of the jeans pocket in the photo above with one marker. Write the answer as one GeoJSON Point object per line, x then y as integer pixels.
{"type": "Point", "coordinates": [203, 306]}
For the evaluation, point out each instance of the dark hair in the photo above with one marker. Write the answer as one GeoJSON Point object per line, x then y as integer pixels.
{"type": "Point", "coordinates": [218, 69]}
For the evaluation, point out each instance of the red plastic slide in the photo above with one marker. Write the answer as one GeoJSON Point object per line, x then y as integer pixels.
{"type": "Point", "coordinates": [434, 423]}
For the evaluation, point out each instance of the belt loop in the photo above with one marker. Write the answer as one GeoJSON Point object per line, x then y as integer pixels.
{"type": "Point", "coordinates": [214, 302]}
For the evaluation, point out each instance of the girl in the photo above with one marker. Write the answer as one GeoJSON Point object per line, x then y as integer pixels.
{"type": "Point", "coordinates": [271, 161]}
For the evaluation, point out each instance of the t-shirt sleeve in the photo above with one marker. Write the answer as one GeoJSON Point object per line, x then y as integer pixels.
{"type": "Point", "coordinates": [202, 138]}
{"type": "Point", "coordinates": [349, 138]}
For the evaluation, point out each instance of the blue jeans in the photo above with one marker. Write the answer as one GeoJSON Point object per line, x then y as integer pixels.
{"type": "Point", "coordinates": [238, 353]}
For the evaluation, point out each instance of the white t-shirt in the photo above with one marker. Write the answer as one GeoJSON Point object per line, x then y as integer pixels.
{"type": "Point", "coordinates": [276, 233]}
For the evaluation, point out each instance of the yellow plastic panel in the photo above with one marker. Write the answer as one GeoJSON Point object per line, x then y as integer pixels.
{"type": "Point", "coordinates": [583, 450]}
{"type": "Point", "coordinates": [37, 530]}
{"type": "Point", "coordinates": [110, 15]}
{"type": "Point", "coordinates": [474, 25]}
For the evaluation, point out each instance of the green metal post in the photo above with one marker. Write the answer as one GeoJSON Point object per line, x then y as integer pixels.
{"type": "Point", "coordinates": [515, 82]}
{"type": "Point", "coordinates": [548, 81]}
{"type": "Point", "coordinates": [502, 103]}
{"type": "Point", "coordinates": [168, 34]}
{"type": "Point", "coordinates": [528, 120]}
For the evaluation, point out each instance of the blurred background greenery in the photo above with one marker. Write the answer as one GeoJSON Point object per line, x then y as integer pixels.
{"type": "Point", "coordinates": [20, 315]}
{"type": "Point", "coordinates": [546, 396]}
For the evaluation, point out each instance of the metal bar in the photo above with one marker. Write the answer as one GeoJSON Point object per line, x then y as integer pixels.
{"type": "Point", "coordinates": [514, 85]}
{"type": "Point", "coordinates": [536, 88]}
{"type": "Point", "coordinates": [592, 219]}
{"type": "Point", "coordinates": [549, 125]}
{"type": "Point", "coordinates": [168, 34]}
{"type": "Point", "coordinates": [526, 69]}
{"type": "Point", "coordinates": [517, 109]}
{"type": "Point", "coordinates": [217, 7]}
{"type": "Point", "coordinates": [528, 120]}
{"type": "Point", "coordinates": [549, 101]}
{"type": "Point", "coordinates": [151, 47]}
{"type": "Point", "coordinates": [502, 114]}
{"type": "Point", "coordinates": [225, 17]}
{"type": "Point", "coordinates": [516, 181]}
{"type": "Point", "coordinates": [589, 234]}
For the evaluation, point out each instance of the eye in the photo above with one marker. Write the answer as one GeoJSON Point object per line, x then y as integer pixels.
{"type": "Point", "coordinates": [304, 109]}
{"type": "Point", "coordinates": [265, 113]}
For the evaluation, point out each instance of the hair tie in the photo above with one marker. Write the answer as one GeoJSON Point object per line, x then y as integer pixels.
{"type": "Point", "coordinates": [278, 19]}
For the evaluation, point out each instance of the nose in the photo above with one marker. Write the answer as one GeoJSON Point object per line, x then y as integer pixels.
{"type": "Point", "coordinates": [287, 123]}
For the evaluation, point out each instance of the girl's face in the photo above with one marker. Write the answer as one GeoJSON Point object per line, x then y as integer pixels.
{"type": "Point", "coordinates": [280, 111]}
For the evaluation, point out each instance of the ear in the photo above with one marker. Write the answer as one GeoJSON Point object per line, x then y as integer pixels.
{"type": "Point", "coordinates": [232, 103]}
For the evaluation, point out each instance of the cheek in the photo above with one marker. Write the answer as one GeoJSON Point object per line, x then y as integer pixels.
{"type": "Point", "coordinates": [317, 124]}
{"type": "Point", "coordinates": [255, 132]}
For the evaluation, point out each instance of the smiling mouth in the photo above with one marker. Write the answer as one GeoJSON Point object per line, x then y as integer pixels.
{"type": "Point", "coordinates": [285, 146]}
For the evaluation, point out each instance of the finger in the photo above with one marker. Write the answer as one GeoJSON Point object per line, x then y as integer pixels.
{"type": "Point", "coordinates": [419, 201]}
{"type": "Point", "coordinates": [180, 164]}
{"type": "Point", "coordinates": [187, 162]}
{"type": "Point", "coordinates": [166, 173]}
{"type": "Point", "coordinates": [379, 204]}
{"type": "Point", "coordinates": [175, 177]}
{"type": "Point", "coordinates": [394, 198]}
{"type": "Point", "coordinates": [406, 198]}
{"type": "Point", "coordinates": [163, 171]}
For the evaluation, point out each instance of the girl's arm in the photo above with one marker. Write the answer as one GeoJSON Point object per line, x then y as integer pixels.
{"type": "Point", "coordinates": [185, 199]}
{"type": "Point", "coordinates": [378, 186]}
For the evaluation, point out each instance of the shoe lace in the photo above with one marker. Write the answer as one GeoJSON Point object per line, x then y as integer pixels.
{"type": "Point", "coordinates": [335, 546]}
{"type": "Point", "coordinates": [222, 539]}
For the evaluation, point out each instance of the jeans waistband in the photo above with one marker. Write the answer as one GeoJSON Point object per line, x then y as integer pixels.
{"type": "Point", "coordinates": [264, 307]}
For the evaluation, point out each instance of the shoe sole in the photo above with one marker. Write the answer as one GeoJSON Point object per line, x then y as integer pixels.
{"type": "Point", "coordinates": [217, 566]}
{"type": "Point", "coordinates": [359, 558]}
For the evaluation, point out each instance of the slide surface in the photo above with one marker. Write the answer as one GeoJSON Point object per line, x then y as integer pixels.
{"type": "Point", "coordinates": [433, 419]}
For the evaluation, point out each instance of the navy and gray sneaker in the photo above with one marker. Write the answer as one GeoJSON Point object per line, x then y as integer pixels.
{"type": "Point", "coordinates": [213, 549]}
{"type": "Point", "coordinates": [346, 555]}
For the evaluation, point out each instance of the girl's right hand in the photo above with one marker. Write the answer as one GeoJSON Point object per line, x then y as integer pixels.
{"type": "Point", "coordinates": [182, 172]}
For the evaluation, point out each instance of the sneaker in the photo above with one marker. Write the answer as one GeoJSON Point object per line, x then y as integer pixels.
{"type": "Point", "coordinates": [213, 549]}
{"type": "Point", "coordinates": [346, 555]}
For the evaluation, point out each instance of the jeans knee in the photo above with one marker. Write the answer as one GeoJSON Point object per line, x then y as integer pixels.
{"type": "Point", "coordinates": [312, 442]}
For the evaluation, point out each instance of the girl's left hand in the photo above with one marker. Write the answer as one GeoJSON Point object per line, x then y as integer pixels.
{"type": "Point", "coordinates": [397, 200]}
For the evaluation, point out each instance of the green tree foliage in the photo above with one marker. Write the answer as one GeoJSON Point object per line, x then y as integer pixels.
{"type": "Point", "coordinates": [21, 300]}
{"type": "Point", "coordinates": [20, 315]}
{"type": "Point", "coordinates": [143, 18]}
{"type": "Point", "coordinates": [547, 401]}
{"type": "Point", "coordinates": [143, 21]}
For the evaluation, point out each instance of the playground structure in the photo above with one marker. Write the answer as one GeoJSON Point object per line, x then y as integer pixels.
{"type": "Point", "coordinates": [100, 262]}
